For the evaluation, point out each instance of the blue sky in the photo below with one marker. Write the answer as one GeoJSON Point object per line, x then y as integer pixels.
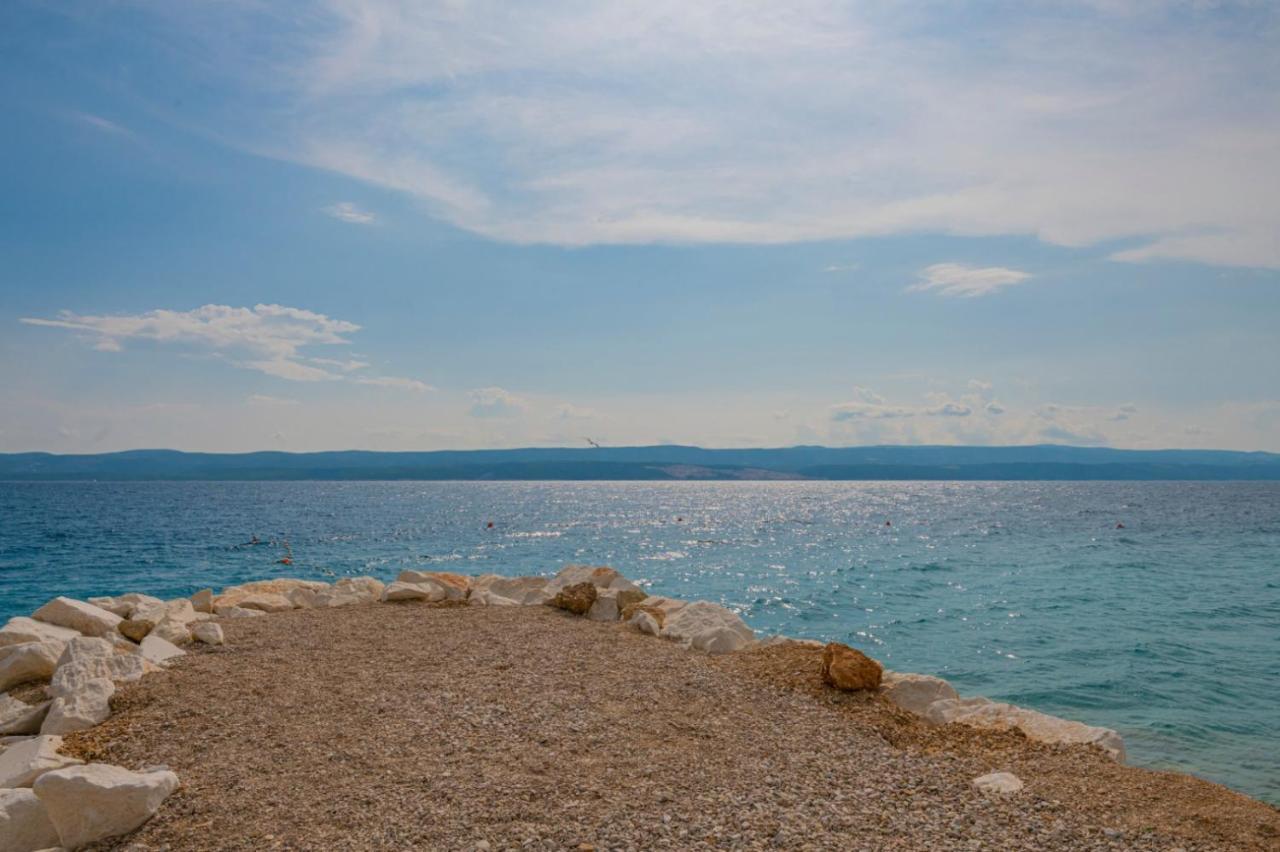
{"type": "Point", "coordinates": [238, 225]}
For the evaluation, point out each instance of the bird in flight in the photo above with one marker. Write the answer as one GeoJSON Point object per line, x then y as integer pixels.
{"type": "Point", "coordinates": [592, 443]}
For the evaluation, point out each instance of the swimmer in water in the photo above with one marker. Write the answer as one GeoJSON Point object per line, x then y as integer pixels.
{"type": "Point", "coordinates": [1119, 526]}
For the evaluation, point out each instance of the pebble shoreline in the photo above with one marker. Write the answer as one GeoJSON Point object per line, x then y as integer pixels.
{"type": "Point", "coordinates": [84, 650]}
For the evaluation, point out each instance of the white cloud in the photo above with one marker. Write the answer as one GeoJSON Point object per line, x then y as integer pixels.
{"type": "Point", "coordinates": [957, 279]}
{"type": "Point", "coordinates": [267, 338]}
{"type": "Point", "coordinates": [496, 402]}
{"type": "Point", "coordinates": [869, 405]}
{"type": "Point", "coordinates": [994, 407]}
{"type": "Point", "coordinates": [347, 211]}
{"type": "Point", "coordinates": [393, 382]}
{"type": "Point", "coordinates": [569, 411]}
{"type": "Point", "coordinates": [265, 399]}
{"type": "Point", "coordinates": [883, 118]}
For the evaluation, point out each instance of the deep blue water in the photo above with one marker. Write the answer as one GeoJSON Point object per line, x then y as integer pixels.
{"type": "Point", "coordinates": [1167, 630]}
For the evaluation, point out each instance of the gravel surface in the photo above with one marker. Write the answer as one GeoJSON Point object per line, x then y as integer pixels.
{"type": "Point", "coordinates": [416, 726]}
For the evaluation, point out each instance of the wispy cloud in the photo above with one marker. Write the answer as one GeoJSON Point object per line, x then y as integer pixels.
{"type": "Point", "coordinates": [267, 338]}
{"type": "Point", "coordinates": [1077, 128]}
{"type": "Point", "coordinates": [496, 402]}
{"type": "Point", "coordinates": [266, 399]}
{"type": "Point", "coordinates": [97, 122]}
{"type": "Point", "coordinates": [957, 279]}
{"type": "Point", "coordinates": [347, 211]}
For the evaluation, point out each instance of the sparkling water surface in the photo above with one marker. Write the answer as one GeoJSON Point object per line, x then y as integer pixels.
{"type": "Point", "coordinates": [1167, 630]}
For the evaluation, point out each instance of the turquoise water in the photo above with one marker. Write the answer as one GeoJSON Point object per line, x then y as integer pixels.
{"type": "Point", "coordinates": [1167, 630]}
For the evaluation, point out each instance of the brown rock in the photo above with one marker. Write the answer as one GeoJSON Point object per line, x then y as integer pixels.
{"type": "Point", "coordinates": [136, 628]}
{"type": "Point", "coordinates": [846, 668]}
{"type": "Point", "coordinates": [577, 598]}
{"type": "Point", "coordinates": [629, 597]}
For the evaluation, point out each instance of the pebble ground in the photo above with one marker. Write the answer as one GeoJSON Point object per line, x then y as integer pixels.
{"type": "Point", "coordinates": [414, 726]}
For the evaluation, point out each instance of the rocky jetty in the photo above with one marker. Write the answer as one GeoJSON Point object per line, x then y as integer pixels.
{"type": "Point", "coordinates": [61, 668]}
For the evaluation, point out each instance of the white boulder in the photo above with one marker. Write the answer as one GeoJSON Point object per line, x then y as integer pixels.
{"type": "Point", "coordinates": [22, 763]}
{"type": "Point", "coordinates": [19, 630]}
{"type": "Point", "coordinates": [85, 617]}
{"type": "Point", "coordinates": [345, 592]}
{"type": "Point", "coordinates": [605, 607]}
{"type": "Point", "coordinates": [90, 803]}
{"type": "Point", "coordinates": [980, 712]}
{"type": "Point", "coordinates": [485, 597]}
{"type": "Point", "coordinates": [526, 591]}
{"type": "Point", "coordinates": [602, 577]}
{"type": "Point", "coordinates": [28, 661]}
{"type": "Point", "coordinates": [125, 605]}
{"type": "Point", "coordinates": [456, 586]}
{"type": "Point", "coordinates": [915, 692]}
{"type": "Point", "coordinates": [209, 634]}
{"type": "Point", "coordinates": [159, 650]}
{"type": "Point", "coordinates": [424, 590]}
{"type": "Point", "coordinates": [708, 627]}
{"type": "Point", "coordinates": [90, 705]}
{"type": "Point", "coordinates": [87, 659]}
{"type": "Point", "coordinates": [265, 602]}
{"type": "Point", "coordinates": [238, 612]}
{"type": "Point", "coordinates": [24, 823]}
{"type": "Point", "coordinates": [997, 783]}
{"type": "Point", "coordinates": [18, 718]}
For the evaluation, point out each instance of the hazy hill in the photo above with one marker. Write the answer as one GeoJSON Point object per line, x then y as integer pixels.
{"type": "Point", "coordinates": [658, 462]}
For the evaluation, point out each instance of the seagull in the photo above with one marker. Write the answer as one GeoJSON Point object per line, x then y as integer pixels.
{"type": "Point", "coordinates": [592, 443]}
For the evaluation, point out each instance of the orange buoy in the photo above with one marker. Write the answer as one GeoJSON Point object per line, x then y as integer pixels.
{"type": "Point", "coordinates": [284, 561]}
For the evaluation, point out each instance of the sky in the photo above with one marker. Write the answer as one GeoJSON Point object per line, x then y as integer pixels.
{"type": "Point", "coordinates": [246, 225]}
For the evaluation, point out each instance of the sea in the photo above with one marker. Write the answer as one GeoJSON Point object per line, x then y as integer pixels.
{"type": "Point", "coordinates": [1149, 607]}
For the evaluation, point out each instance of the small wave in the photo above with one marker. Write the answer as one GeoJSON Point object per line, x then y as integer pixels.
{"type": "Point", "coordinates": [665, 556]}
{"type": "Point", "coordinates": [536, 534]}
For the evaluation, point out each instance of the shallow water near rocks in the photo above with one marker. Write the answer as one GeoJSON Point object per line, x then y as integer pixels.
{"type": "Point", "coordinates": [1167, 630]}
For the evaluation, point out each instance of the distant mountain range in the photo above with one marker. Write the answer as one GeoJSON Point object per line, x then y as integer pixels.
{"type": "Point", "coordinates": [1046, 461]}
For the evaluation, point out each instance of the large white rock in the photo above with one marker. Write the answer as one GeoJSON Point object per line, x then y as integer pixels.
{"type": "Point", "coordinates": [24, 762]}
{"type": "Point", "coordinates": [238, 612]}
{"type": "Point", "coordinates": [90, 705]}
{"type": "Point", "coordinates": [24, 823]}
{"type": "Point", "coordinates": [125, 605]}
{"type": "Point", "coordinates": [345, 592]}
{"type": "Point", "coordinates": [28, 661]}
{"type": "Point", "coordinates": [605, 607]}
{"type": "Point", "coordinates": [980, 712]}
{"type": "Point", "coordinates": [19, 630]}
{"type": "Point", "coordinates": [265, 602]}
{"type": "Point", "coordinates": [425, 590]}
{"type": "Point", "coordinates": [997, 783]}
{"type": "Point", "coordinates": [526, 591]}
{"type": "Point", "coordinates": [90, 803]}
{"type": "Point", "coordinates": [209, 634]}
{"type": "Point", "coordinates": [484, 597]}
{"type": "Point", "coordinates": [159, 650]}
{"type": "Point", "coordinates": [602, 577]}
{"type": "Point", "coordinates": [915, 692]}
{"type": "Point", "coordinates": [88, 619]}
{"type": "Point", "coordinates": [708, 627]}
{"type": "Point", "coordinates": [18, 717]}
{"type": "Point", "coordinates": [86, 659]}
{"type": "Point", "coordinates": [456, 586]}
